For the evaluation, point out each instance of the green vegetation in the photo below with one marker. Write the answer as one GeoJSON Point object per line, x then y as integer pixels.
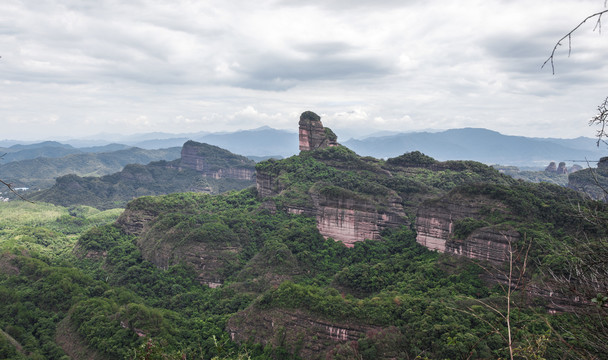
{"type": "Point", "coordinates": [41, 172]}
{"type": "Point", "coordinates": [136, 287]}
{"type": "Point", "coordinates": [133, 181]}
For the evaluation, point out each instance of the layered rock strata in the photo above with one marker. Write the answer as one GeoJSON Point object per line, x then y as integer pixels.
{"type": "Point", "coordinates": [435, 224]}
{"type": "Point", "coordinates": [312, 133]}
{"type": "Point", "coordinates": [343, 219]}
{"type": "Point", "coordinates": [207, 259]}
{"type": "Point", "coordinates": [350, 221]}
{"type": "Point", "coordinates": [215, 162]}
{"type": "Point", "coordinates": [281, 327]}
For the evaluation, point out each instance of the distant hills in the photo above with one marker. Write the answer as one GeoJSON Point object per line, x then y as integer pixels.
{"type": "Point", "coordinates": [486, 146]}
{"type": "Point", "coordinates": [52, 149]}
{"type": "Point", "coordinates": [201, 168]}
{"type": "Point", "coordinates": [40, 172]}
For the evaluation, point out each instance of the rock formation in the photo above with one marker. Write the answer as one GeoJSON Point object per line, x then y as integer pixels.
{"type": "Point", "coordinates": [342, 218]}
{"type": "Point", "coordinates": [207, 259]}
{"type": "Point", "coordinates": [551, 168]}
{"type": "Point", "coordinates": [437, 220]}
{"type": "Point", "coordinates": [312, 133]}
{"type": "Point", "coordinates": [277, 327]}
{"type": "Point", "coordinates": [562, 169]}
{"type": "Point", "coordinates": [592, 182]}
{"type": "Point", "coordinates": [217, 163]}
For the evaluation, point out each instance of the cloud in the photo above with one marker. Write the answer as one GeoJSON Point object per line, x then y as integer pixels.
{"type": "Point", "coordinates": [183, 65]}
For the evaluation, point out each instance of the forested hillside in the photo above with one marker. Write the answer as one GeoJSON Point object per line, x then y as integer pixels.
{"type": "Point", "coordinates": [249, 273]}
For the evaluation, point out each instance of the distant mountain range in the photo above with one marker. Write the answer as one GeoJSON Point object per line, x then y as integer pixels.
{"type": "Point", "coordinates": [40, 172]}
{"type": "Point", "coordinates": [486, 146]}
{"type": "Point", "coordinates": [201, 168]}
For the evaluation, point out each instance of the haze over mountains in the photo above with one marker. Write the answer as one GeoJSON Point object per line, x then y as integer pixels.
{"type": "Point", "coordinates": [486, 146]}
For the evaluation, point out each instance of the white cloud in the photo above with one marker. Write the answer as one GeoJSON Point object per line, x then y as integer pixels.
{"type": "Point", "coordinates": [182, 65]}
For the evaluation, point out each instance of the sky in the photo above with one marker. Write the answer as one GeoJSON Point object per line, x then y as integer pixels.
{"type": "Point", "coordinates": [78, 68]}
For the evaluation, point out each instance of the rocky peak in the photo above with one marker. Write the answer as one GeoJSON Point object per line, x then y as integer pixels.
{"type": "Point", "coordinates": [312, 133]}
{"type": "Point", "coordinates": [212, 161]}
{"type": "Point", "coordinates": [551, 168]}
{"type": "Point", "coordinates": [562, 169]}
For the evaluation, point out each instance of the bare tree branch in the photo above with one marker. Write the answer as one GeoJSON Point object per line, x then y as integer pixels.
{"type": "Point", "coordinates": [598, 25]}
{"type": "Point", "coordinates": [601, 118]}
{"type": "Point", "coordinates": [10, 187]}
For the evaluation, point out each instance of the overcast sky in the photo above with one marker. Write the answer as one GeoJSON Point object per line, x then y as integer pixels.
{"type": "Point", "coordinates": [72, 68]}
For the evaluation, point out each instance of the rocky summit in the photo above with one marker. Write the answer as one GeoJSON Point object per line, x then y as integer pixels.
{"type": "Point", "coordinates": [313, 135]}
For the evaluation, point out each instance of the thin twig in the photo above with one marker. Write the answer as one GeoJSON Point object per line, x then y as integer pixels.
{"type": "Point", "coordinates": [569, 37]}
{"type": "Point", "coordinates": [10, 187]}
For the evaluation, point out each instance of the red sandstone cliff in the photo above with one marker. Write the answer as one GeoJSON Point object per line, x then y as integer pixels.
{"type": "Point", "coordinates": [436, 227]}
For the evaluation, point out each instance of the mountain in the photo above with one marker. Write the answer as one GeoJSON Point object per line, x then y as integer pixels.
{"type": "Point", "coordinates": [200, 168]}
{"type": "Point", "coordinates": [52, 149]}
{"type": "Point", "coordinates": [41, 172]}
{"type": "Point", "coordinates": [481, 145]}
{"type": "Point", "coordinates": [332, 255]}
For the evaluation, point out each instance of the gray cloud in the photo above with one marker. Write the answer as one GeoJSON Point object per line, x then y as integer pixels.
{"type": "Point", "coordinates": [72, 66]}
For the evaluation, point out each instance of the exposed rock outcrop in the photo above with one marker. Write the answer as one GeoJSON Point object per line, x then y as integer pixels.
{"type": "Point", "coordinates": [437, 223]}
{"type": "Point", "coordinates": [574, 168]}
{"type": "Point", "coordinates": [350, 220]}
{"type": "Point", "coordinates": [592, 182]}
{"type": "Point", "coordinates": [562, 169]}
{"type": "Point", "coordinates": [207, 259]}
{"type": "Point", "coordinates": [212, 161]}
{"type": "Point", "coordinates": [551, 167]}
{"type": "Point", "coordinates": [347, 218]}
{"type": "Point", "coordinates": [312, 133]}
{"type": "Point", "coordinates": [302, 333]}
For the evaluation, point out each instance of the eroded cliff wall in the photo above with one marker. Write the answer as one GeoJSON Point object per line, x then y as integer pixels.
{"type": "Point", "coordinates": [215, 162]}
{"type": "Point", "coordinates": [208, 259]}
{"type": "Point", "coordinates": [437, 224]}
{"type": "Point", "coordinates": [307, 335]}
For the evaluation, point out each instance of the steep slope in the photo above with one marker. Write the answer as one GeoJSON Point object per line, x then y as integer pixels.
{"type": "Point", "coordinates": [592, 182]}
{"type": "Point", "coordinates": [356, 198]}
{"type": "Point", "coordinates": [297, 293]}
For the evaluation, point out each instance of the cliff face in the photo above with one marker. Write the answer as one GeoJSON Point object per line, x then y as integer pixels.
{"type": "Point", "coordinates": [342, 218]}
{"type": "Point", "coordinates": [438, 223]}
{"type": "Point", "coordinates": [304, 334]}
{"type": "Point", "coordinates": [208, 259]}
{"type": "Point", "coordinates": [312, 133]}
{"type": "Point", "coordinates": [592, 182]}
{"type": "Point", "coordinates": [350, 220]}
{"type": "Point", "coordinates": [215, 162]}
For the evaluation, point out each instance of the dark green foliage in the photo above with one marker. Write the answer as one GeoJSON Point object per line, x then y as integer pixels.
{"type": "Point", "coordinates": [464, 227]}
{"type": "Point", "coordinates": [417, 302]}
{"type": "Point", "coordinates": [330, 134]}
{"type": "Point", "coordinates": [413, 159]}
{"type": "Point", "coordinates": [133, 181]}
